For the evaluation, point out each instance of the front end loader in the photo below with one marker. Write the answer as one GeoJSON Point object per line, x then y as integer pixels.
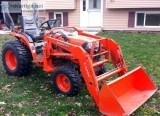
{"type": "Point", "coordinates": [72, 56]}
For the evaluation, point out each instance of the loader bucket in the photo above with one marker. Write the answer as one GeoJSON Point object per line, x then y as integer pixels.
{"type": "Point", "coordinates": [124, 95]}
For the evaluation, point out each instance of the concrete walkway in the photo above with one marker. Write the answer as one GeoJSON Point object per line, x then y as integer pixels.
{"type": "Point", "coordinates": [4, 32]}
{"type": "Point", "coordinates": [90, 30]}
{"type": "Point", "coordinates": [7, 32]}
{"type": "Point", "coordinates": [92, 33]}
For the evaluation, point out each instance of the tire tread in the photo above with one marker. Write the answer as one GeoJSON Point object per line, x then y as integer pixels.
{"type": "Point", "coordinates": [23, 55]}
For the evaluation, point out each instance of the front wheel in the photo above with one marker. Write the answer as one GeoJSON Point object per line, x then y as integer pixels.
{"type": "Point", "coordinates": [66, 80]}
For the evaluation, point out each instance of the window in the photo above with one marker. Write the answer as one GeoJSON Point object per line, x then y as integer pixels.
{"type": "Point", "coordinates": [84, 5]}
{"type": "Point", "coordinates": [152, 20]}
{"type": "Point", "coordinates": [148, 19]}
{"type": "Point", "coordinates": [140, 19]}
{"type": "Point", "coordinates": [59, 17]}
{"type": "Point", "coordinates": [94, 4]}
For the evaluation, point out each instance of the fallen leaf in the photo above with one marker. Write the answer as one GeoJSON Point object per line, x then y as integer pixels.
{"type": "Point", "coordinates": [8, 114]}
{"type": "Point", "coordinates": [88, 97]}
{"type": "Point", "coordinates": [40, 114]}
{"type": "Point", "coordinates": [2, 110]}
{"type": "Point", "coordinates": [70, 99]}
{"type": "Point", "coordinates": [13, 105]}
{"type": "Point", "coordinates": [22, 104]}
{"type": "Point", "coordinates": [44, 87]}
{"type": "Point", "coordinates": [91, 104]}
{"type": "Point", "coordinates": [49, 75]}
{"type": "Point", "coordinates": [37, 99]}
{"type": "Point", "coordinates": [72, 113]}
{"type": "Point", "coordinates": [78, 104]}
{"type": "Point", "coordinates": [2, 103]}
{"type": "Point", "coordinates": [6, 88]}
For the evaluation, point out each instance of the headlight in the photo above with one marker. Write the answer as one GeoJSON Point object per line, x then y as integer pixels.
{"type": "Point", "coordinates": [88, 46]}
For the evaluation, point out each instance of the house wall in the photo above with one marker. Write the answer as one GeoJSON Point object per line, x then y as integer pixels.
{"type": "Point", "coordinates": [41, 14]}
{"type": "Point", "coordinates": [73, 14]}
{"type": "Point", "coordinates": [117, 19]}
{"type": "Point", "coordinates": [113, 19]}
{"type": "Point", "coordinates": [133, 4]}
{"type": "Point", "coordinates": [54, 4]}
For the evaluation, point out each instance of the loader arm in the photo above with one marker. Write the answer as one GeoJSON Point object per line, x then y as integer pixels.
{"type": "Point", "coordinates": [116, 56]}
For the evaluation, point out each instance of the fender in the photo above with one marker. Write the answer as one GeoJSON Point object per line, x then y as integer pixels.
{"type": "Point", "coordinates": [27, 41]}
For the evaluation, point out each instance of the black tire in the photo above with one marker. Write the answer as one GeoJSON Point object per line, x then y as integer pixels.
{"type": "Point", "coordinates": [73, 78]}
{"type": "Point", "coordinates": [22, 55]}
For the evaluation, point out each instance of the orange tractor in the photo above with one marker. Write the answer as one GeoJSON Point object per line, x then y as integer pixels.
{"type": "Point", "coordinates": [72, 56]}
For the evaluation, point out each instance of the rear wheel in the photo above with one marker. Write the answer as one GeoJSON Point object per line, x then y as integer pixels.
{"type": "Point", "coordinates": [67, 81]}
{"type": "Point", "coordinates": [11, 59]}
{"type": "Point", "coordinates": [16, 58]}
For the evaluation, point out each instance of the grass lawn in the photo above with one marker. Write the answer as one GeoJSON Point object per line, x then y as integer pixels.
{"type": "Point", "coordinates": [33, 95]}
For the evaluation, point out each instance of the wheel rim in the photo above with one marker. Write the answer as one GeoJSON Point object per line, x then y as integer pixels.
{"type": "Point", "coordinates": [11, 60]}
{"type": "Point", "coordinates": [63, 83]}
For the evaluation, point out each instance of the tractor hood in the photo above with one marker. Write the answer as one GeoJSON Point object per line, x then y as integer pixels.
{"type": "Point", "coordinates": [72, 36]}
{"type": "Point", "coordinates": [79, 39]}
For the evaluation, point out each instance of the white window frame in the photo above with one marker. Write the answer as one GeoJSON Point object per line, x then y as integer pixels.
{"type": "Point", "coordinates": [146, 12]}
{"type": "Point", "coordinates": [61, 16]}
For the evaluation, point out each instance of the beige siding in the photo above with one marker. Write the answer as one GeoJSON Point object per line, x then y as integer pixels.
{"type": "Point", "coordinates": [117, 19]}
{"type": "Point", "coordinates": [133, 4]}
{"type": "Point", "coordinates": [74, 16]}
{"type": "Point", "coordinates": [54, 4]}
{"type": "Point", "coordinates": [42, 14]}
{"type": "Point", "coordinates": [114, 19]}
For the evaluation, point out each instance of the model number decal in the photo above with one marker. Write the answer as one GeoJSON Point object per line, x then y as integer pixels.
{"type": "Point", "coordinates": [87, 70]}
{"type": "Point", "coordinates": [63, 44]}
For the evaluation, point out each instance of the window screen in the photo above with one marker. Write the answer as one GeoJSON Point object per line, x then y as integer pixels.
{"type": "Point", "coordinates": [84, 5]}
{"type": "Point", "coordinates": [59, 18]}
{"type": "Point", "coordinates": [148, 19]}
{"type": "Point", "coordinates": [94, 4]}
{"type": "Point", "coordinates": [152, 20]}
{"type": "Point", "coordinates": [140, 19]}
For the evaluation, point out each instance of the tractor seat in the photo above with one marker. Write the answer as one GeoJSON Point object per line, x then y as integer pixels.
{"type": "Point", "coordinates": [29, 27]}
{"type": "Point", "coordinates": [34, 34]}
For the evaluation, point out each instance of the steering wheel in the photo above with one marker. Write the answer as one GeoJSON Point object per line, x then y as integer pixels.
{"type": "Point", "coordinates": [49, 24]}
